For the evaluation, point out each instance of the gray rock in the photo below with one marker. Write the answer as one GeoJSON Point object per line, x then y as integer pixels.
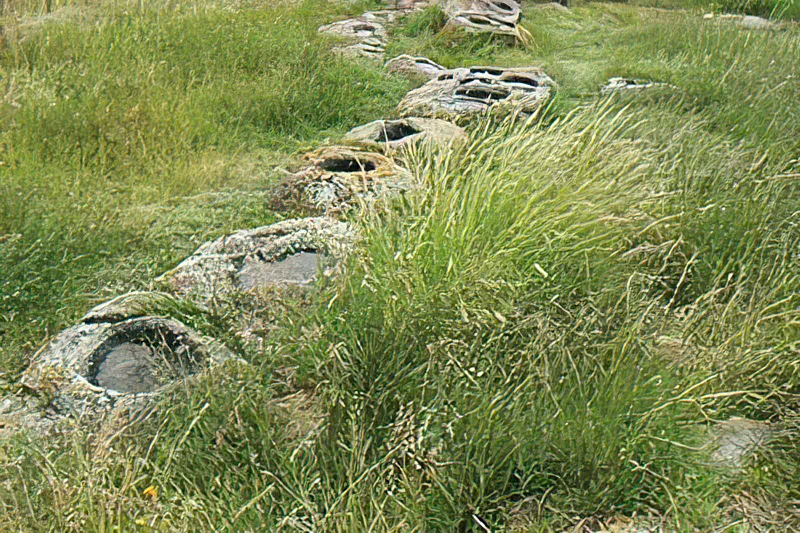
{"type": "Point", "coordinates": [339, 178]}
{"type": "Point", "coordinates": [478, 16]}
{"type": "Point", "coordinates": [466, 91]}
{"type": "Point", "coordinates": [414, 67]}
{"type": "Point", "coordinates": [110, 359]}
{"type": "Point", "coordinates": [367, 34]}
{"type": "Point", "coordinates": [262, 258]}
{"type": "Point", "coordinates": [394, 134]}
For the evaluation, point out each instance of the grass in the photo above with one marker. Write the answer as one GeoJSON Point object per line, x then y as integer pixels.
{"type": "Point", "coordinates": [543, 334]}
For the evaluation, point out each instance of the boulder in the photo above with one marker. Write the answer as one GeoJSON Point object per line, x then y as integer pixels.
{"type": "Point", "coordinates": [478, 16]}
{"type": "Point", "coordinates": [339, 178]}
{"type": "Point", "coordinates": [291, 253]}
{"type": "Point", "coordinates": [394, 134]}
{"type": "Point", "coordinates": [414, 67]}
{"type": "Point", "coordinates": [117, 353]}
{"type": "Point", "coordinates": [467, 91]}
{"type": "Point", "coordinates": [735, 440]}
{"type": "Point", "coordinates": [366, 33]}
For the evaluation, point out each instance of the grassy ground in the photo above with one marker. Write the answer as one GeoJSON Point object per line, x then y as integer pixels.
{"type": "Point", "coordinates": [543, 336]}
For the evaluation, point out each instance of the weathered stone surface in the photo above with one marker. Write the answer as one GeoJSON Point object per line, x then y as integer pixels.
{"type": "Point", "coordinates": [746, 21]}
{"type": "Point", "coordinates": [629, 84]}
{"type": "Point", "coordinates": [109, 358]}
{"type": "Point", "coordinates": [477, 16]}
{"type": "Point", "coordinates": [465, 91]}
{"type": "Point", "coordinates": [261, 258]}
{"type": "Point", "coordinates": [338, 178]}
{"type": "Point", "coordinates": [414, 67]}
{"type": "Point", "coordinates": [394, 134]}
{"type": "Point", "coordinates": [367, 34]}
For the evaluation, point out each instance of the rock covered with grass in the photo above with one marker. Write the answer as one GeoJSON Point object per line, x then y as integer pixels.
{"type": "Point", "coordinates": [289, 253]}
{"type": "Point", "coordinates": [119, 351]}
{"type": "Point", "coordinates": [339, 178]}
{"type": "Point", "coordinates": [395, 134]}
{"type": "Point", "coordinates": [475, 90]}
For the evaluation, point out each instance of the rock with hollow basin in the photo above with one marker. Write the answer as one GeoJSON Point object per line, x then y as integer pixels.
{"type": "Point", "coordinates": [292, 253]}
{"type": "Point", "coordinates": [118, 352]}
{"type": "Point", "coordinates": [339, 178]}
{"type": "Point", "coordinates": [394, 134]}
{"type": "Point", "coordinates": [474, 90]}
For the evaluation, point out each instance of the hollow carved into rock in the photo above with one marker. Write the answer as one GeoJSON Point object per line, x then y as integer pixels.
{"type": "Point", "coordinates": [465, 91]}
{"type": "Point", "coordinates": [419, 67]}
{"type": "Point", "coordinates": [394, 134]}
{"type": "Point", "coordinates": [289, 253]}
{"type": "Point", "coordinates": [118, 351]}
{"type": "Point", "coordinates": [477, 16]}
{"type": "Point", "coordinates": [338, 178]}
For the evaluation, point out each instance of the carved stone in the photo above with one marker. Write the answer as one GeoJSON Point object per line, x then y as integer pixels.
{"type": "Point", "coordinates": [394, 134]}
{"type": "Point", "coordinates": [466, 91]}
{"type": "Point", "coordinates": [289, 253]}
{"type": "Point", "coordinates": [338, 178]}
{"type": "Point", "coordinates": [414, 67]}
{"type": "Point", "coordinates": [478, 16]}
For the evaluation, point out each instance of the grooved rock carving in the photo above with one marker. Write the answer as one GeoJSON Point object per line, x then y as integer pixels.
{"type": "Point", "coordinates": [289, 253]}
{"type": "Point", "coordinates": [119, 352]}
{"type": "Point", "coordinates": [414, 67]}
{"type": "Point", "coordinates": [366, 33]}
{"type": "Point", "coordinates": [394, 134]}
{"type": "Point", "coordinates": [477, 16]}
{"type": "Point", "coordinates": [465, 91]}
{"type": "Point", "coordinates": [338, 178]}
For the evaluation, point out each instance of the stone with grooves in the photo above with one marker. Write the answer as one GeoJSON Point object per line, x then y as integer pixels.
{"type": "Point", "coordinates": [117, 352]}
{"type": "Point", "coordinates": [477, 16]}
{"type": "Point", "coordinates": [367, 34]}
{"type": "Point", "coordinates": [284, 254]}
{"type": "Point", "coordinates": [628, 84]}
{"type": "Point", "coordinates": [338, 178]}
{"type": "Point", "coordinates": [466, 91]}
{"type": "Point", "coordinates": [414, 67]}
{"type": "Point", "coordinates": [393, 134]}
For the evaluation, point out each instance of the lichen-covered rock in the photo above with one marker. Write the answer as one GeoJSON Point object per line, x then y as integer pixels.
{"type": "Point", "coordinates": [478, 16]}
{"type": "Point", "coordinates": [338, 178]}
{"type": "Point", "coordinates": [414, 67]}
{"type": "Point", "coordinates": [289, 253]}
{"type": "Point", "coordinates": [737, 439]}
{"type": "Point", "coordinates": [116, 354]}
{"type": "Point", "coordinates": [466, 91]}
{"type": "Point", "coordinates": [395, 134]}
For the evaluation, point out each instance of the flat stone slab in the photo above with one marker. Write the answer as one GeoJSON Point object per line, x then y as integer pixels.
{"type": "Point", "coordinates": [338, 179]}
{"type": "Point", "coordinates": [479, 16]}
{"type": "Point", "coordinates": [110, 356]}
{"type": "Point", "coordinates": [475, 90]}
{"type": "Point", "coordinates": [395, 134]}
{"type": "Point", "coordinates": [289, 253]}
{"type": "Point", "coordinates": [414, 67]}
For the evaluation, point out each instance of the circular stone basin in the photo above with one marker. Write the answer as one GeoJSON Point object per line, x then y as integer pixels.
{"type": "Point", "coordinates": [297, 269]}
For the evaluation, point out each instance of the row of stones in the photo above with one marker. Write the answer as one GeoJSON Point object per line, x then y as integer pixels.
{"type": "Point", "coordinates": [124, 350]}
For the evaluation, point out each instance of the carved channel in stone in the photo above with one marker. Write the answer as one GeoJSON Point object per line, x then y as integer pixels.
{"type": "Point", "coordinates": [346, 164]}
{"type": "Point", "coordinates": [396, 130]}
